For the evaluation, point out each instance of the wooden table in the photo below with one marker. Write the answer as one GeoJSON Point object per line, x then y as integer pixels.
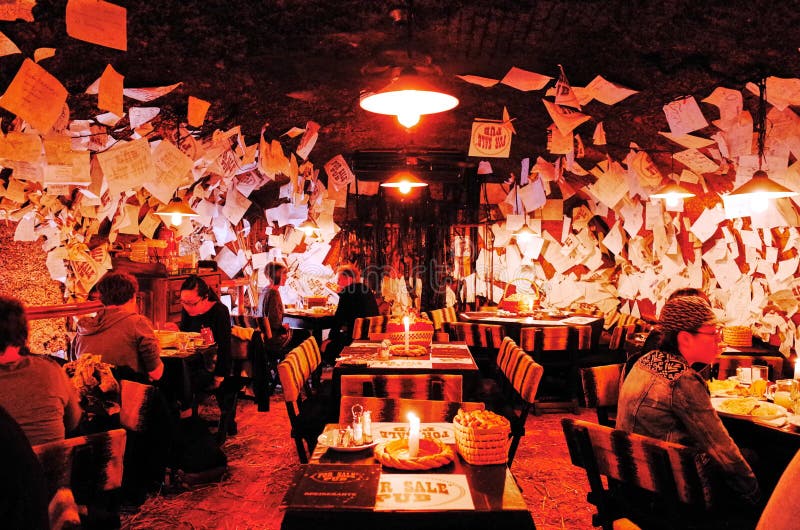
{"type": "Point", "coordinates": [361, 357]}
{"type": "Point", "coordinates": [514, 323]}
{"type": "Point", "coordinates": [185, 373]}
{"type": "Point", "coordinates": [314, 321]}
{"type": "Point", "coordinates": [497, 500]}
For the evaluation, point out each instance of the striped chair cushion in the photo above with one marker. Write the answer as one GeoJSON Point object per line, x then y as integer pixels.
{"type": "Point", "coordinates": [396, 409]}
{"type": "Point", "coordinates": [251, 321]}
{"type": "Point", "coordinates": [634, 459]}
{"type": "Point", "coordinates": [520, 369]}
{"type": "Point", "coordinates": [440, 316]}
{"type": "Point", "coordinates": [550, 338]}
{"type": "Point", "coordinates": [94, 461]}
{"type": "Point", "coordinates": [445, 387]}
{"type": "Point", "coordinates": [297, 367]}
{"type": "Point", "coordinates": [478, 335]}
{"type": "Point", "coordinates": [362, 327]}
{"type": "Point", "coordinates": [137, 405]}
{"type": "Point", "coordinates": [601, 385]}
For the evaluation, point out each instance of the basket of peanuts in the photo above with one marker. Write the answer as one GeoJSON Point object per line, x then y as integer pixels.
{"type": "Point", "coordinates": [482, 437]}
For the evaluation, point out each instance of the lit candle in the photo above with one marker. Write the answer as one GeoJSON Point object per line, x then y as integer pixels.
{"type": "Point", "coordinates": [797, 368]}
{"type": "Point", "coordinates": [413, 435]}
{"type": "Point", "coordinates": [406, 324]}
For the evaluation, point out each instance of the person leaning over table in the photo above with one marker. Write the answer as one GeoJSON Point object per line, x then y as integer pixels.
{"type": "Point", "coordinates": [202, 309]}
{"type": "Point", "coordinates": [34, 390]}
{"type": "Point", "coordinates": [664, 398]}
{"type": "Point", "coordinates": [117, 332]}
{"type": "Point", "coordinates": [271, 306]}
{"type": "Point", "coordinates": [356, 300]}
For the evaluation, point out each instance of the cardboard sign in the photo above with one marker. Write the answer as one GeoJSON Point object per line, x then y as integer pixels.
{"type": "Point", "coordinates": [490, 138]}
{"type": "Point", "coordinates": [423, 491]}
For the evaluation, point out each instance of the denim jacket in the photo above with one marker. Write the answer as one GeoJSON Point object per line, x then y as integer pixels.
{"type": "Point", "coordinates": [664, 398]}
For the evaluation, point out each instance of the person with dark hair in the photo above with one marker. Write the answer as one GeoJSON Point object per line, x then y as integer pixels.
{"type": "Point", "coordinates": [356, 300]}
{"type": "Point", "coordinates": [34, 390]}
{"type": "Point", "coordinates": [654, 337]}
{"type": "Point", "coordinates": [118, 333]}
{"type": "Point", "coordinates": [203, 309]}
{"type": "Point", "coordinates": [271, 306]}
{"type": "Point", "coordinates": [664, 398]}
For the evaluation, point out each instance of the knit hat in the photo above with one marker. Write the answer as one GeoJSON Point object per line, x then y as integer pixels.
{"type": "Point", "coordinates": [686, 313]}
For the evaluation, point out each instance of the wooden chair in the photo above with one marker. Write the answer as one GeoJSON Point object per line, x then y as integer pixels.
{"type": "Point", "coordinates": [365, 326]}
{"type": "Point", "coordinates": [601, 390]}
{"type": "Point", "coordinates": [440, 387]}
{"type": "Point", "coordinates": [442, 315]}
{"type": "Point", "coordinates": [483, 341]}
{"type": "Point", "coordinates": [513, 397]}
{"type": "Point", "coordinates": [91, 466]}
{"type": "Point", "coordinates": [397, 409]}
{"type": "Point", "coordinates": [299, 374]}
{"type": "Point", "coordinates": [654, 484]}
{"type": "Point", "coordinates": [726, 365]}
{"type": "Point", "coordinates": [556, 349]}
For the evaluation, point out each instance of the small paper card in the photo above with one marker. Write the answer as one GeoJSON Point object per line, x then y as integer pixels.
{"type": "Point", "coordinates": [424, 491]}
{"type": "Point", "coordinates": [578, 320]}
{"type": "Point", "coordinates": [401, 363]}
{"type": "Point", "coordinates": [326, 486]}
{"type": "Point", "coordinates": [386, 432]}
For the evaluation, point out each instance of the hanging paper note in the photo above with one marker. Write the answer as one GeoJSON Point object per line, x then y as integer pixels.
{"type": "Point", "coordinates": [35, 96]}
{"type": "Point", "coordinates": [490, 138]}
{"type": "Point", "coordinates": [339, 173]}
{"type": "Point", "coordinates": [684, 116]}
{"type": "Point", "coordinates": [98, 22]}
{"type": "Point", "coordinates": [109, 95]}
{"type": "Point", "coordinates": [196, 113]}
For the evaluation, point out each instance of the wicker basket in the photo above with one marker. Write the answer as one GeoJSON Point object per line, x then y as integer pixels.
{"type": "Point", "coordinates": [521, 302]}
{"type": "Point", "coordinates": [420, 332]}
{"type": "Point", "coordinates": [737, 336]}
{"type": "Point", "coordinates": [483, 446]}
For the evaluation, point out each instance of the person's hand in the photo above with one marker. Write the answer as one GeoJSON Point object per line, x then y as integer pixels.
{"type": "Point", "coordinates": [171, 326]}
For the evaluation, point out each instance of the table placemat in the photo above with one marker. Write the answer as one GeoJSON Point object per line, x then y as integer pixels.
{"type": "Point", "coordinates": [423, 492]}
{"type": "Point", "coordinates": [401, 363]}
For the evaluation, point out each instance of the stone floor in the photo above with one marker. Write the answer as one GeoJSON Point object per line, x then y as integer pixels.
{"type": "Point", "coordinates": [262, 462]}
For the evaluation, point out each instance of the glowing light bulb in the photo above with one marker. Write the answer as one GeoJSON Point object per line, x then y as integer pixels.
{"type": "Point", "coordinates": [672, 200]}
{"type": "Point", "coordinates": [408, 120]}
{"type": "Point", "coordinates": [759, 202]}
{"type": "Point", "coordinates": [404, 187]}
{"type": "Point", "coordinates": [524, 237]}
{"type": "Point", "coordinates": [176, 219]}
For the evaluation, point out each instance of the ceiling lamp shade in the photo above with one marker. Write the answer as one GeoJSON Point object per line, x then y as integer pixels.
{"type": "Point", "coordinates": [309, 227]}
{"type": "Point", "coordinates": [524, 234]}
{"type": "Point", "coordinates": [404, 181]}
{"type": "Point", "coordinates": [408, 97]}
{"type": "Point", "coordinates": [174, 212]}
{"type": "Point", "coordinates": [672, 193]}
{"type": "Point", "coordinates": [760, 189]}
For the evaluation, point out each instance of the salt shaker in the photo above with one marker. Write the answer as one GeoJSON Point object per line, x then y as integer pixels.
{"type": "Point", "coordinates": [384, 353]}
{"type": "Point", "coordinates": [366, 420]}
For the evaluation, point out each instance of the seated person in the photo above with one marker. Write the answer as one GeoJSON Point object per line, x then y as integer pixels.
{"type": "Point", "coordinates": [118, 333]}
{"type": "Point", "coordinates": [34, 390]}
{"type": "Point", "coordinates": [664, 398]}
{"type": "Point", "coordinates": [202, 309]}
{"type": "Point", "coordinates": [271, 307]}
{"type": "Point", "coordinates": [356, 300]}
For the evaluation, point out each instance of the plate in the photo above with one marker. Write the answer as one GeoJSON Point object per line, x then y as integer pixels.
{"type": "Point", "coordinates": [742, 408]}
{"type": "Point", "coordinates": [322, 439]}
{"type": "Point", "coordinates": [794, 421]}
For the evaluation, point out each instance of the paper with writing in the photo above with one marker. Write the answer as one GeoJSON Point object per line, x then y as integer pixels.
{"type": "Point", "coordinates": [35, 96]}
{"type": "Point", "coordinates": [98, 22]}
{"type": "Point", "coordinates": [423, 492]}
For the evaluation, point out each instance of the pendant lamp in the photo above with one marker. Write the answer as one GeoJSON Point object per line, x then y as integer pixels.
{"type": "Point", "coordinates": [760, 189]}
{"type": "Point", "coordinates": [524, 234]}
{"type": "Point", "coordinates": [309, 227]}
{"type": "Point", "coordinates": [672, 193]}
{"type": "Point", "coordinates": [404, 181]}
{"type": "Point", "coordinates": [408, 97]}
{"type": "Point", "coordinates": [174, 212]}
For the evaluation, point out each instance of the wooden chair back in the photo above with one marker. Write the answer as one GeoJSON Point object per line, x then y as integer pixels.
{"type": "Point", "coordinates": [520, 377]}
{"type": "Point", "coordinates": [475, 335]}
{"type": "Point", "coordinates": [88, 465]}
{"type": "Point", "coordinates": [364, 326]}
{"type": "Point", "coordinates": [397, 409]}
{"type": "Point", "coordinates": [670, 471]}
{"type": "Point", "coordinates": [299, 377]}
{"type": "Point", "coordinates": [252, 362]}
{"type": "Point", "coordinates": [252, 321]}
{"type": "Point", "coordinates": [556, 349]}
{"type": "Point", "coordinates": [137, 405]}
{"type": "Point", "coordinates": [601, 390]}
{"type": "Point", "coordinates": [442, 315]}
{"type": "Point", "coordinates": [439, 387]}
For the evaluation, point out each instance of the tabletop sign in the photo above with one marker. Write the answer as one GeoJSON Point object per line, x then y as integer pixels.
{"type": "Point", "coordinates": [325, 486]}
{"type": "Point", "coordinates": [424, 491]}
{"type": "Point", "coordinates": [386, 432]}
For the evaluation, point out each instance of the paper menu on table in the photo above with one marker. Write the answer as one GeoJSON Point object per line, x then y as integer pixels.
{"type": "Point", "coordinates": [423, 491]}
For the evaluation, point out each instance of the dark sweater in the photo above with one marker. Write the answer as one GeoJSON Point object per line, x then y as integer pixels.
{"type": "Point", "coordinates": [219, 320]}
